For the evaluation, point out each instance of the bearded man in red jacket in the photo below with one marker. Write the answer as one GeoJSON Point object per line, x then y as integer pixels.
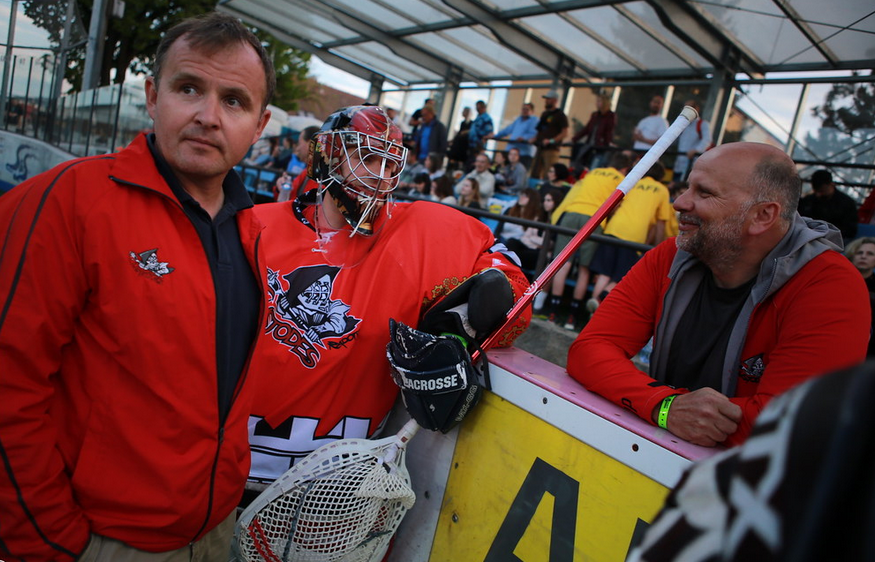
{"type": "Point", "coordinates": [748, 301]}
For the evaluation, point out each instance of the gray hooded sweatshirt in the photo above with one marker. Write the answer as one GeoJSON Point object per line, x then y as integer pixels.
{"type": "Point", "coordinates": [805, 240]}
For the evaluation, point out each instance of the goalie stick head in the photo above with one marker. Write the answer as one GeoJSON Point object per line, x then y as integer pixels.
{"type": "Point", "coordinates": [343, 502]}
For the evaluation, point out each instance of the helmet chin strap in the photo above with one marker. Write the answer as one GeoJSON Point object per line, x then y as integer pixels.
{"type": "Point", "coordinates": [335, 237]}
{"type": "Point", "coordinates": [348, 208]}
{"type": "Point", "coordinates": [330, 218]}
{"type": "Point", "coordinates": [365, 213]}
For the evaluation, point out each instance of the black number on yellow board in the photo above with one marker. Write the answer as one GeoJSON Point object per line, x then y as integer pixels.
{"type": "Point", "coordinates": [541, 479]}
{"type": "Point", "coordinates": [641, 527]}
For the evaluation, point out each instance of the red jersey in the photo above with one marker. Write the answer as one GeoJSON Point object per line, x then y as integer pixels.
{"type": "Point", "coordinates": [322, 370]}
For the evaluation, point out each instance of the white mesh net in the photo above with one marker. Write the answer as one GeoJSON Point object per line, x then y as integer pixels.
{"type": "Point", "coordinates": [341, 503]}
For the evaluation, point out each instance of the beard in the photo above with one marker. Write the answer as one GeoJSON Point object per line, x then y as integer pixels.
{"type": "Point", "coordinates": [717, 245]}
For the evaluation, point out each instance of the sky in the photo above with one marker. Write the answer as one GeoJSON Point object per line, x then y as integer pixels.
{"type": "Point", "coordinates": [26, 34]}
{"type": "Point", "coordinates": [773, 106]}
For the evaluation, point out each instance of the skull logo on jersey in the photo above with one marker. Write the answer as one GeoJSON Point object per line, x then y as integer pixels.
{"type": "Point", "coordinates": [304, 304]}
{"type": "Point", "coordinates": [316, 298]}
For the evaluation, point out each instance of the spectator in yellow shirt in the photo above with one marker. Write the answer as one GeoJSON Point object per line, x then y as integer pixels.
{"type": "Point", "coordinates": [584, 199]}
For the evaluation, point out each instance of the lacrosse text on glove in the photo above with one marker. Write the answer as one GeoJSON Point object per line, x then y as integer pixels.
{"type": "Point", "coordinates": [439, 383]}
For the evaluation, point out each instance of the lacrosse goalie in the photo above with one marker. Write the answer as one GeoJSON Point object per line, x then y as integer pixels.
{"type": "Point", "coordinates": [343, 260]}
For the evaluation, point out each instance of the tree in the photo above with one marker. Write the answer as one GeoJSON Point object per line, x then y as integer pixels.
{"type": "Point", "coordinates": [50, 15]}
{"type": "Point", "coordinates": [292, 66]}
{"type": "Point", "coordinates": [849, 108]}
{"type": "Point", "coordinates": [847, 130]}
{"type": "Point", "coordinates": [130, 41]}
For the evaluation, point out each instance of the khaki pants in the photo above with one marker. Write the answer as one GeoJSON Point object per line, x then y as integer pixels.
{"type": "Point", "coordinates": [544, 158]}
{"type": "Point", "coordinates": [215, 546]}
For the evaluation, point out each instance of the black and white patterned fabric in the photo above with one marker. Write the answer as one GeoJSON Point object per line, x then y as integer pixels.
{"type": "Point", "coordinates": [800, 488]}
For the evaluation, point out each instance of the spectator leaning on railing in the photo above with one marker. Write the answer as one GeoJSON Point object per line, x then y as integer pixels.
{"type": "Point", "coordinates": [749, 300]}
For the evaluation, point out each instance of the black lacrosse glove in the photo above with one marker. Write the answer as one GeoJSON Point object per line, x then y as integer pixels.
{"type": "Point", "coordinates": [432, 365]}
{"type": "Point", "coordinates": [474, 309]}
{"type": "Point", "coordinates": [439, 383]}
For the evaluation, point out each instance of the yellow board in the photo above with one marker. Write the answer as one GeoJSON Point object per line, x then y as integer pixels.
{"type": "Point", "coordinates": [520, 489]}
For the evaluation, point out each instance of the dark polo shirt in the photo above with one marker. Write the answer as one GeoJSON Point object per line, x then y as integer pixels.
{"type": "Point", "coordinates": [238, 298]}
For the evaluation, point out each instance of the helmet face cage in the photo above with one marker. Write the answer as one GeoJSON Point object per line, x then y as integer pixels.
{"type": "Point", "coordinates": [358, 158]}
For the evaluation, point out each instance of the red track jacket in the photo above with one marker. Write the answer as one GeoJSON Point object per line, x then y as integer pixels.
{"type": "Point", "coordinates": [803, 324]}
{"type": "Point", "coordinates": [108, 424]}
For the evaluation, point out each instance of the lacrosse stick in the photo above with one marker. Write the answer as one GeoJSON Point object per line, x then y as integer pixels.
{"type": "Point", "coordinates": [687, 116]}
{"type": "Point", "coordinates": [343, 502]}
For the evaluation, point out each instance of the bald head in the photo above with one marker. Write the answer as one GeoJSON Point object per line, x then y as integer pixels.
{"type": "Point", "coordinates": [740, 203]}
{"type": "Point", "coordinates": [762, 171]}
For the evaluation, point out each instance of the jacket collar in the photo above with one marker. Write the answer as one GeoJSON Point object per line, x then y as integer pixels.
{"type": "Point", "coordinates": [805, 240]}
{"type": "Point", "coordinates": [141, 164]}
{"type": "Point", "coordinates": [134, 165]}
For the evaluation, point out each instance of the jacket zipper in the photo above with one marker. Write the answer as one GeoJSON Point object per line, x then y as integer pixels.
{"type": "Point", "coordinates": [220, 437]}
{"type": "Point", "coordinates": [223, 416]}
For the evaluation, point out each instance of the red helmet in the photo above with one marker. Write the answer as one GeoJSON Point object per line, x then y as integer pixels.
{"type": "Point", "coordinates": [357, 157]}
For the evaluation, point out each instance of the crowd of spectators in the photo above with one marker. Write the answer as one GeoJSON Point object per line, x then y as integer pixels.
{"type": "Point", "coordinates": [526, 152]}
{"type": "Point", "coordinates": [729, 266]}
{"type": "Point", "coordinates": [524, 160]}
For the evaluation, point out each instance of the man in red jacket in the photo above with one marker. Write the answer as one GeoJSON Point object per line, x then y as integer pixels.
{"type": "Point", "coordinates": [749, 300]}
{"type": "Point", "coordinates": [131, 302]}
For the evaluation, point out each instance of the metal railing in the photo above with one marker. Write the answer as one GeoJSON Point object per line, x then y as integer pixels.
{"type": "Point", "coordinates": [84, 123]}
{"type": "Point", "coordinates": [550, 233]}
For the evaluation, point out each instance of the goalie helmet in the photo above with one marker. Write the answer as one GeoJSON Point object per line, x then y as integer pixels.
{"type": "Point", "coordinates": [357, 158]}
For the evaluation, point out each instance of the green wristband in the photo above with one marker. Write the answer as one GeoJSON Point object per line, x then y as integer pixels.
{"type": "Point", "coordinates": [458, 337]}
{"type": "Point", "coordinates": [662, 418]}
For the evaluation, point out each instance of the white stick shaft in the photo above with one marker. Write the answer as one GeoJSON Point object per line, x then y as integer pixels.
{"type": "Point", "coordinates": [407, 432]}
{"type": "Point", "coordinates": [404, 435]}
{"type": "Point", "coordinates": [687, 116]}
